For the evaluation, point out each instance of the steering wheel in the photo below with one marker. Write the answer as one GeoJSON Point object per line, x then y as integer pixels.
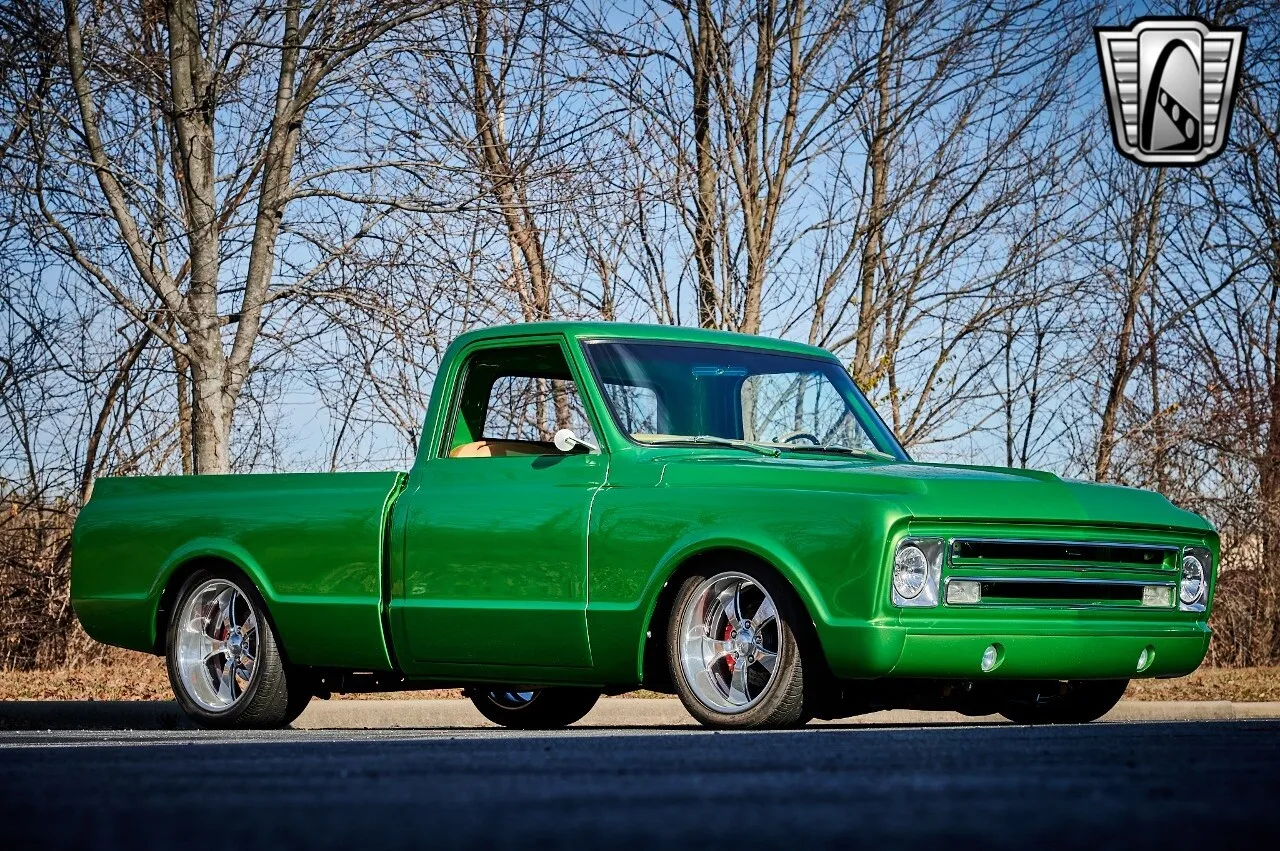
{"type": "Point", "coordinates": [792, 436]}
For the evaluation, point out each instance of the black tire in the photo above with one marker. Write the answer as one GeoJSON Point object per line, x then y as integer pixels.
{"type": "Point", "coordinates": [1075, 702]}
{"type": "Point", "coordinates": [535, 709]}
{"type": "Point", "coordinates": [301, 690]}
{"type": "Point", "coordinates": [275, 694]}
{"type": "Point", "coordinates": [781, 702]}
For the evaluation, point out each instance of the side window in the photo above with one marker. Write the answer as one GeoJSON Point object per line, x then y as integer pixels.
{"type": "Point", "coordinates": [519, 396]}
{"type": "Point", "coordinates": [526, 407]}
{"type": "Point", "coordinates": [638, 408]}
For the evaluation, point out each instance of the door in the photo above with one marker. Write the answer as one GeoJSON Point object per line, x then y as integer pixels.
{"type": "Point", "coordinates": [495, 555]}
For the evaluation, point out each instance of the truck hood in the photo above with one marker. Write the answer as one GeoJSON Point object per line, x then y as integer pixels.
{"type": "Point", "coordinates": [944, 491]}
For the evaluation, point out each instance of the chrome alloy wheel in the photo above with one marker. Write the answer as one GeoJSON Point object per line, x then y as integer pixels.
{"type": "Point", "coordinates": [512, 699]}
{"type": "Point", "coordinates": [217, 644]}
{"type": "Point", "coordinates": [729, 642]}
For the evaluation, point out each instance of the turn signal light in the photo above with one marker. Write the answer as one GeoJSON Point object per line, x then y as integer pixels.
{"type": "Point", "coordinates": [963, 592]}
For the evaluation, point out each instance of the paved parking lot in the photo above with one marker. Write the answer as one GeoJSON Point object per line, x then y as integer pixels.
{"type": "Point", "coordinates": [1206, 784]}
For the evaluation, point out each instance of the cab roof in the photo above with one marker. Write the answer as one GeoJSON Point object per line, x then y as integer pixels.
{"type": "Point", "coordinates": [638, 331]}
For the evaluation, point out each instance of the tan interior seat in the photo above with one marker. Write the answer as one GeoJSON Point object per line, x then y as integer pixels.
{"type": "Point", "coordinates": [502, 449]}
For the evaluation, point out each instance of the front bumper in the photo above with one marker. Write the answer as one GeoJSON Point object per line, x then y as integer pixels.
{"type": "Point", "coordinates": [1057, 650]}
{"type": "Point", "coordinates": [1054, 657]}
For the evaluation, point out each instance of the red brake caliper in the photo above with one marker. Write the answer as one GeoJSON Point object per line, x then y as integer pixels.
{"type": "Point", "coordinates": [728, 634]}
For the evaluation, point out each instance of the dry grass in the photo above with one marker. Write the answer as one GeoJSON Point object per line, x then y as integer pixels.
{"type": "Point", "coordinates": [127, 676]}
{"type": "Point", "coordinates": [1241, 685]}
{"type": "Point", "coordinates": [137, 676]}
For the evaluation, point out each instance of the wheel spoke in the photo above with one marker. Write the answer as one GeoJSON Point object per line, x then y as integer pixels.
{"type": "Point", "coordinates": [738, 684]}
{"type": "Point", "coordinates": [764, 614]}
{"type": "Point", "coordinates": [216, 649]}
{"type": "Point", "coordinates": [705, 682]}
{"type": "Point", "coordinates": [717, 650]}
{"type": "Point", "coordinates": [226, 687]}
{"type": "Point", "coordinates": [728, 600]}
{"type": "Point", "coordinates": [250, 623]}
{"type": "Point", "coordinates": [767, 659]}
{"type": "Point", "coordinates": [224, 608]}
{"type": "Point", "coordinates": [238, 673]}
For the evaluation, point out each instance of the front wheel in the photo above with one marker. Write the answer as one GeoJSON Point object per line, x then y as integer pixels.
{"type": "Point", "coordinates": [535, 709]}
{"type": "Point", "coordinates": [733, 652]}
{"type": "Point", "coordinates": [1072, 702]}
{"type": "Point", "coordinates": [223, 658]}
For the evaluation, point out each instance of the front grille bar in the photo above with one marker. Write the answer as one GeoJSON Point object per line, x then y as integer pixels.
{"type": "Point", "coordinates": [1075, 593]}
{"type": "Point", "coordinates": [1070, 555]}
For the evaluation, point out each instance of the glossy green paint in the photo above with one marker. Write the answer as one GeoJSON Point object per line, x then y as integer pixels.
{"type": "Point", "coordinates": [312, 543]}
{"type": "Point", "coordinates": [546, 570]}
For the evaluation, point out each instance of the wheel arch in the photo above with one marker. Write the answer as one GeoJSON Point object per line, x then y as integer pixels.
{"type": "Point", "coordinates": [652, 661]}
{"type": "Point", "coordinates": [206, 555]}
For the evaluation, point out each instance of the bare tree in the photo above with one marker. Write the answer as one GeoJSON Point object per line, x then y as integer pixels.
{"type": "Point", "coordinates": [739, 101]}
{"type": "Point", "coordinates": [197, 216]}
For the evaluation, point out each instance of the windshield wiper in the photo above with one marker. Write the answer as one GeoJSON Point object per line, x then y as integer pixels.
{"type": "Point", "coordinates": [712, 440]}
{"type": "Point", "coordinates": [845, 450]}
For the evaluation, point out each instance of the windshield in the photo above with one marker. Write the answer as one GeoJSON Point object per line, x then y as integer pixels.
{"type": "Point", "coordinates": [676, 392]}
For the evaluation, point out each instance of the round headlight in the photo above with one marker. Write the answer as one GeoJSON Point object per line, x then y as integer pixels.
{"type": "Point", "coordinates": [1192, 588]}
{"type": "Point", "coordinates": [910, 572]}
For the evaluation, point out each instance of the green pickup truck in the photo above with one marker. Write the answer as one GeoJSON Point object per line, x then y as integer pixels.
{"type": "Point", "coordinates": [597, 507]}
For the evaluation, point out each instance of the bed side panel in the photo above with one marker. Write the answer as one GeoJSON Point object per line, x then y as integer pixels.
{"type": "Point", "coordinates": [312, 543]}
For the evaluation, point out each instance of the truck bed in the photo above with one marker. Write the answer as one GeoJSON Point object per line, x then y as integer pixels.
{"type": "Point", "coordinates": [312, 543]}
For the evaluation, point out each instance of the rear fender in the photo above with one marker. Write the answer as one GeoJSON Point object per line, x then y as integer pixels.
{"type": "Point", "coordinates": [201, 549]}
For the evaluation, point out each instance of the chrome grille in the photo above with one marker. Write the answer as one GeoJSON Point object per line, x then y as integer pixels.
{"type": "Point", "coordinates": [1061, 555]}
{"type": "Point", "coordinates": [1052, 573]}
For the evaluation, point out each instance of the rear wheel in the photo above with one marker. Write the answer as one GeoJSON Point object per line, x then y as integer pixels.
{"type": "Point", "coordinates": [1072, 702]}
{"type": "Point", "coordinates": [535, 709]}
{"type": "Point", "coordinates": [223, 658]}
{"type": "Point", "coordinates": [733, 652]}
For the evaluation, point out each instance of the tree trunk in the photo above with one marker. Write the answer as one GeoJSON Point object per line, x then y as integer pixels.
{"type": "Point", "coordinates": [521, 224]}
{"type": "Point", "coordinates": [190, 86]}
{"type": "Point", "coordinates": [209, 438]}
{"type": "Point", "coordinates": [182, 370]}
{"type": "Point", "coordinates": [1265, 648]}
{"type": "Point", "coordinates": [878, 163]}
{"type": "Point", "coordinates": [705, 196]}
{"type": "Point", "coordinates": [1124, 362]}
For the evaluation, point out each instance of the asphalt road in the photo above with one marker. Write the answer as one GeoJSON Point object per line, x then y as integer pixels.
{"type": "Point", "coordinates": [1206, 785]}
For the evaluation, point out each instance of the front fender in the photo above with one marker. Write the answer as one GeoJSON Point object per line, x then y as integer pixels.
{"type": "Point", "coordinates": [768, 550]}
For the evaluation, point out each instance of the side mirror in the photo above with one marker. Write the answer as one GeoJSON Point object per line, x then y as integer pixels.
{"type": "Point", "coordinates": [565, 440]}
